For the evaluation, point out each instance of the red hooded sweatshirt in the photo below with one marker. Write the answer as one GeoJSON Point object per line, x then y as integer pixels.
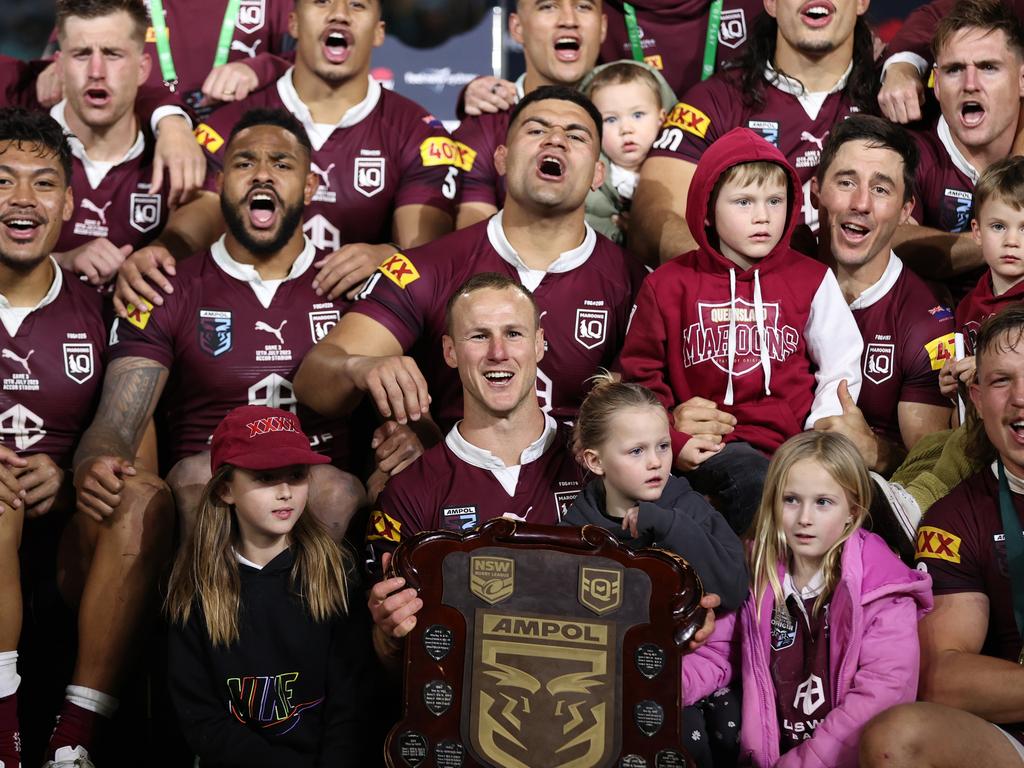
{"type": "Point", "coordinates": [768, 344]}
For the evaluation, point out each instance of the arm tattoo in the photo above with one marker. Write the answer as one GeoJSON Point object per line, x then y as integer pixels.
{"type": "Point", "coordinates": [131, 388]}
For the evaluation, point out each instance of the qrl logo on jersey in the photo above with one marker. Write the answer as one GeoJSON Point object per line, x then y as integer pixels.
{"type": "Point", "coordinates": [214, 331]}
{"type": "Point", "coordinates": [320, 323]}
{"type": "Point", "coordinates": [591, 327]}
{"type": "Point", "coordinates": [732, 32]}
{"type": "Point", "coordinates": [878, 362]}
{"type": "Point", "coordinates": [78, 362]}
{"type": "Point", "coordinates": [369, 175]}
{"type": "Point", "coordinates": [24, 426]}
{"type": "Point", "coordinates": [145, 211]}
{"type": "Point", "coordinates": [708, 339]}
{"type": "Point", "coordinates": [251, 15]}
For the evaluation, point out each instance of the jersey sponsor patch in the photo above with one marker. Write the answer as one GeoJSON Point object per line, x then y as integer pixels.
{"type": "Point", "coordinates": [766, 129]}
{"type": "Point", "coordinates": [465, 158]}
{"type": "Point", "coordinates": [940, 312]}
{"type": "Point", "coordinates": [438, 150]}
{"type": "Point", "coordinates": [654, 60]}
{"type": "Point", "coordinates": [399, 270]}
{"type": "Point", "coordinates": [458, 518]}
{"type": "Point", "coordinates": [208, 138]}
{"type": "Point", "coordinates": [938, 544]}
{"type": "Point", "coordinates": [690, 119]}
{"type": "Point", "coordinates": [940, 350]}
{"type": "Point", "coordinates": [214, 329]}
{"type": "Point", "coordinates": [383, 527]}
{"type": "Point", "coordinates": [139, 316]}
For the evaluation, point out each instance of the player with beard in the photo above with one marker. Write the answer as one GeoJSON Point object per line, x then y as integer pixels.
{"type": "Point", "coordinates": [979, 82]}
{"type": "Point", "coordinates": [53, 340]}
{"type": "Point", "coordinates": [384, 166]}
{"type": "Point", "coordinates": [865, 187]}
{"type": "Point", "coordinates": [560, 42]}
{"type": "Point", "coordinates": [583, 283]}
{"type": "Point", "coordinates": [809, 65]}
{"type": "Point", "coordinates": [241, 317]}
{"type": "Point", "coordinates": [102, 66]}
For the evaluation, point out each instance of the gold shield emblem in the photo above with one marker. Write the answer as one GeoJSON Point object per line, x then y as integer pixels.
{"type": "Point", "coordinates": [600, 589]}
{"type": "Point", "coordinates": [543, 691]}
{"type": "Point", "coordinates": [492, 579]}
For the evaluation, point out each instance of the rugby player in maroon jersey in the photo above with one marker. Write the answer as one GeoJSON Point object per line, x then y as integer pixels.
{"type": "Point", "coordinates": [971, 708]}
{"type": "Point", "coordinates": [233, 332]}
{"type": "Point", "coordinates": [979, 82]}
{"type": "Point", "coordinates": [54, 349]}
{"type": "Point", "coordinates": [865, 191]}
{"type": "Point", "coordinates": [102, 65]}
{"type": "Point", "coordinates": [808, 66]}
{"type": "Point", "coordinates": [582, 281]}
{"type": "Point", "coordinates": [383, 163]}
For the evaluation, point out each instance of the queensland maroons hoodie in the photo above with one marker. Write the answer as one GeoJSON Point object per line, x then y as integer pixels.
{"type": "Point", "coordinates": [768, 344]}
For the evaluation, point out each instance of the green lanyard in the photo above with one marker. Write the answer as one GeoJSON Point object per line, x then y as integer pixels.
{"type": "Point", "coordinates": [710, 40]}
{"type": "Point", "coordinates": [163, 43]}
{"type": "Point", "coordinates": [1014, 538]}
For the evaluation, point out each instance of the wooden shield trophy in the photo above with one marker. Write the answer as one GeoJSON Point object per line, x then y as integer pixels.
{"type": "Point", "coordinates": [543, 647]}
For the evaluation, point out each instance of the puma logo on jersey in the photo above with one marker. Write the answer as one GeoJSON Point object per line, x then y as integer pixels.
{"type": "Point", "coordinates": [89, 205]}
{"type": "Point", "coordinates": [238, 45]}
{"type": "Point", "coordinates": [7, 354]}
{"type": "Point", "coordinates": [262, 326]}
{"type": "Point", "coordinates": [323, 173]}
{"type": "Point", "coordinates": [806, 136]}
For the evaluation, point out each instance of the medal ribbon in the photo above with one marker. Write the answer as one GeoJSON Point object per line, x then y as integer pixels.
{"type": "Point", "coordinates": [710, 40]}
{"type": "Point", "coordinates": [163, 43]}
{"type": "Point", "coordinates": [1014, 537]}
{"type": "Point", "coordinates": [633, 30]}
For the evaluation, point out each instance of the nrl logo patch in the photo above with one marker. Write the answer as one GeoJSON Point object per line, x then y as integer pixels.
{"type": "Point", "coordinates": [492, 579]}
{"type": "Point", "coordinates": [145, 211]}
{"type": "Point", "coordinates": [591, 327]}
{"type": "Point", "coordinates": [600, 589]}
{"type": "Point", "coordinates": [538, 677]}
{"type": "Point", "coordinates": [78, 362]}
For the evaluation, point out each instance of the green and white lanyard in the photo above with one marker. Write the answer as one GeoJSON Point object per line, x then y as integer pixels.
{"type": "Point", "coordinates": [163, 43]}
{"type": "Point", "coordinates": [1014, 538]}
{"type": "Point", "coordinates": [710, 39]}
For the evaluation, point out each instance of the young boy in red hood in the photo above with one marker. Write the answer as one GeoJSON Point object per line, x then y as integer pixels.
{"type": "Point", "coordinates": [745, 332]}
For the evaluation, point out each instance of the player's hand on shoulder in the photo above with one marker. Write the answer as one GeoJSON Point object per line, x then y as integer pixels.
{"type": "Point", "coordinates": [41, 480]}
{"type": "Point", "coordinates": [12, 495]}
{"type": "Point", "coordinates": [49, 88]}
{"type": "Point", "coordinates": [395, 446]}
{"type": "Point", "coordinates": [229, 82]}
{"type": "Point", "coordinates": [97, 261]}
{"type": "Point", "coordinates": [142, 279]}
{"type": "Point", "coordinates": [902, 94]}
{"type": "Point", "coordinates": [346, 269]}
{"type": "Point", "coordinates": [396, 385]}
{"type": "Point", "coordinates": [179, 157]}
{"type": "Point", "coordinates": [99, 483]}
{"type": "Point", "coordinates": [489, 94]}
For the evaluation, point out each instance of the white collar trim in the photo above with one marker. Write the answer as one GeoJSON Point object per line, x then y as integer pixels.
{"type": "Point", "coordinates": [877, 292]}
{"type": "Point", "coordinates": [264, 289]}
{"type": "Point", "coordinates": [566, 261]}
{"type": "Point", "coordinates": [811, 101]}
{"type": "Point", "coordinates": [814, 588]}
{"type": "Point", "coordinates": [95, 171]}
{"type": "Point", "coordinates": [12, 317]}
{"type": "Point", "coordinates": [520, 86]}
{"type": "Point", "coordinates": [484, 459]}
{"type": "Point", "coordinates": [961, 162]}
{"type": "Point", "coordinates": [1016, 484]}
{"type": "Point", "coordinates": [318, 136]}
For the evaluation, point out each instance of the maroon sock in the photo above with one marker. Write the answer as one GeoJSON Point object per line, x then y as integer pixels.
{"type": "Point", "coordinates": [10, 739]}
{"type": "Point", "coordinates": [76, 727]}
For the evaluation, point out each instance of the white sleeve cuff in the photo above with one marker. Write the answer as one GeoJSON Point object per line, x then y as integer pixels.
{"type": "Point", "coordinates": [907, 57]}
{"type": "Point", "coordinates": [168, 110]}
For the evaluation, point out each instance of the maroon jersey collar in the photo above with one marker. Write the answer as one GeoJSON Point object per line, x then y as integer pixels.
{"type": "Point", "coordinates": [878, 291]}
{"type": "Point", "coordinates": [94, 171]}
{"type": "Point", "coordinates": [566, 261]}
{"type": "Point", "coordinates": [318, 133]}
{"type": "Point", "coordinates": [955, 155]}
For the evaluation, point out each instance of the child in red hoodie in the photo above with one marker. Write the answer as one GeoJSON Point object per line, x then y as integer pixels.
{"type": "Point", "coordinates": [744, 325]}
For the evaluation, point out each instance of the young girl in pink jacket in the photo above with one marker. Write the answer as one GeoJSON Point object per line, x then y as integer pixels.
{"type": "Point", "coordinates": [827, 638]}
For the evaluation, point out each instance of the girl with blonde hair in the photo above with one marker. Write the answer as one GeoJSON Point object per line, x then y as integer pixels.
{"type": "Point", "coordinates": [267, 647]}
{"type": "Point", "coordinates": [828, 636]}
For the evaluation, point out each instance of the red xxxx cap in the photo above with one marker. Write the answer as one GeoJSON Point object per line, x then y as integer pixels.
{"type": "Point", "coordinates": [258, 437]}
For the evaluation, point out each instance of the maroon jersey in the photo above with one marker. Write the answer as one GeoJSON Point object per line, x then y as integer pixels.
{"type": "Point", "coordinates": [714, 107]}
{"type": "Point", "coordinates": [584, 300]}
{"type": "Point", "coordinates": [980, 304]}
{"type": "Point", "coordinates": [476, 138]}
{"type": "Point", "coordinates": [907, 337]}
{"type": "Point", "coordinates": [455, 486]}
{"type": "Point", "coordinates": [385, 153]}
{"type": "Point", "coordinates": [799, 668]}
{"type": "Point", "coordinates": [52, 369]}
{"type": "Point", "coordinates": [944, 186]}
{"type": "Point", "coordinates": [672, 35]}
{"type": "Point", "coordinates": [226, 347]}
{"type": "Point", "coordinates": [18, 82]}
{"type": "Point", "coordinates": [962, 544]}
